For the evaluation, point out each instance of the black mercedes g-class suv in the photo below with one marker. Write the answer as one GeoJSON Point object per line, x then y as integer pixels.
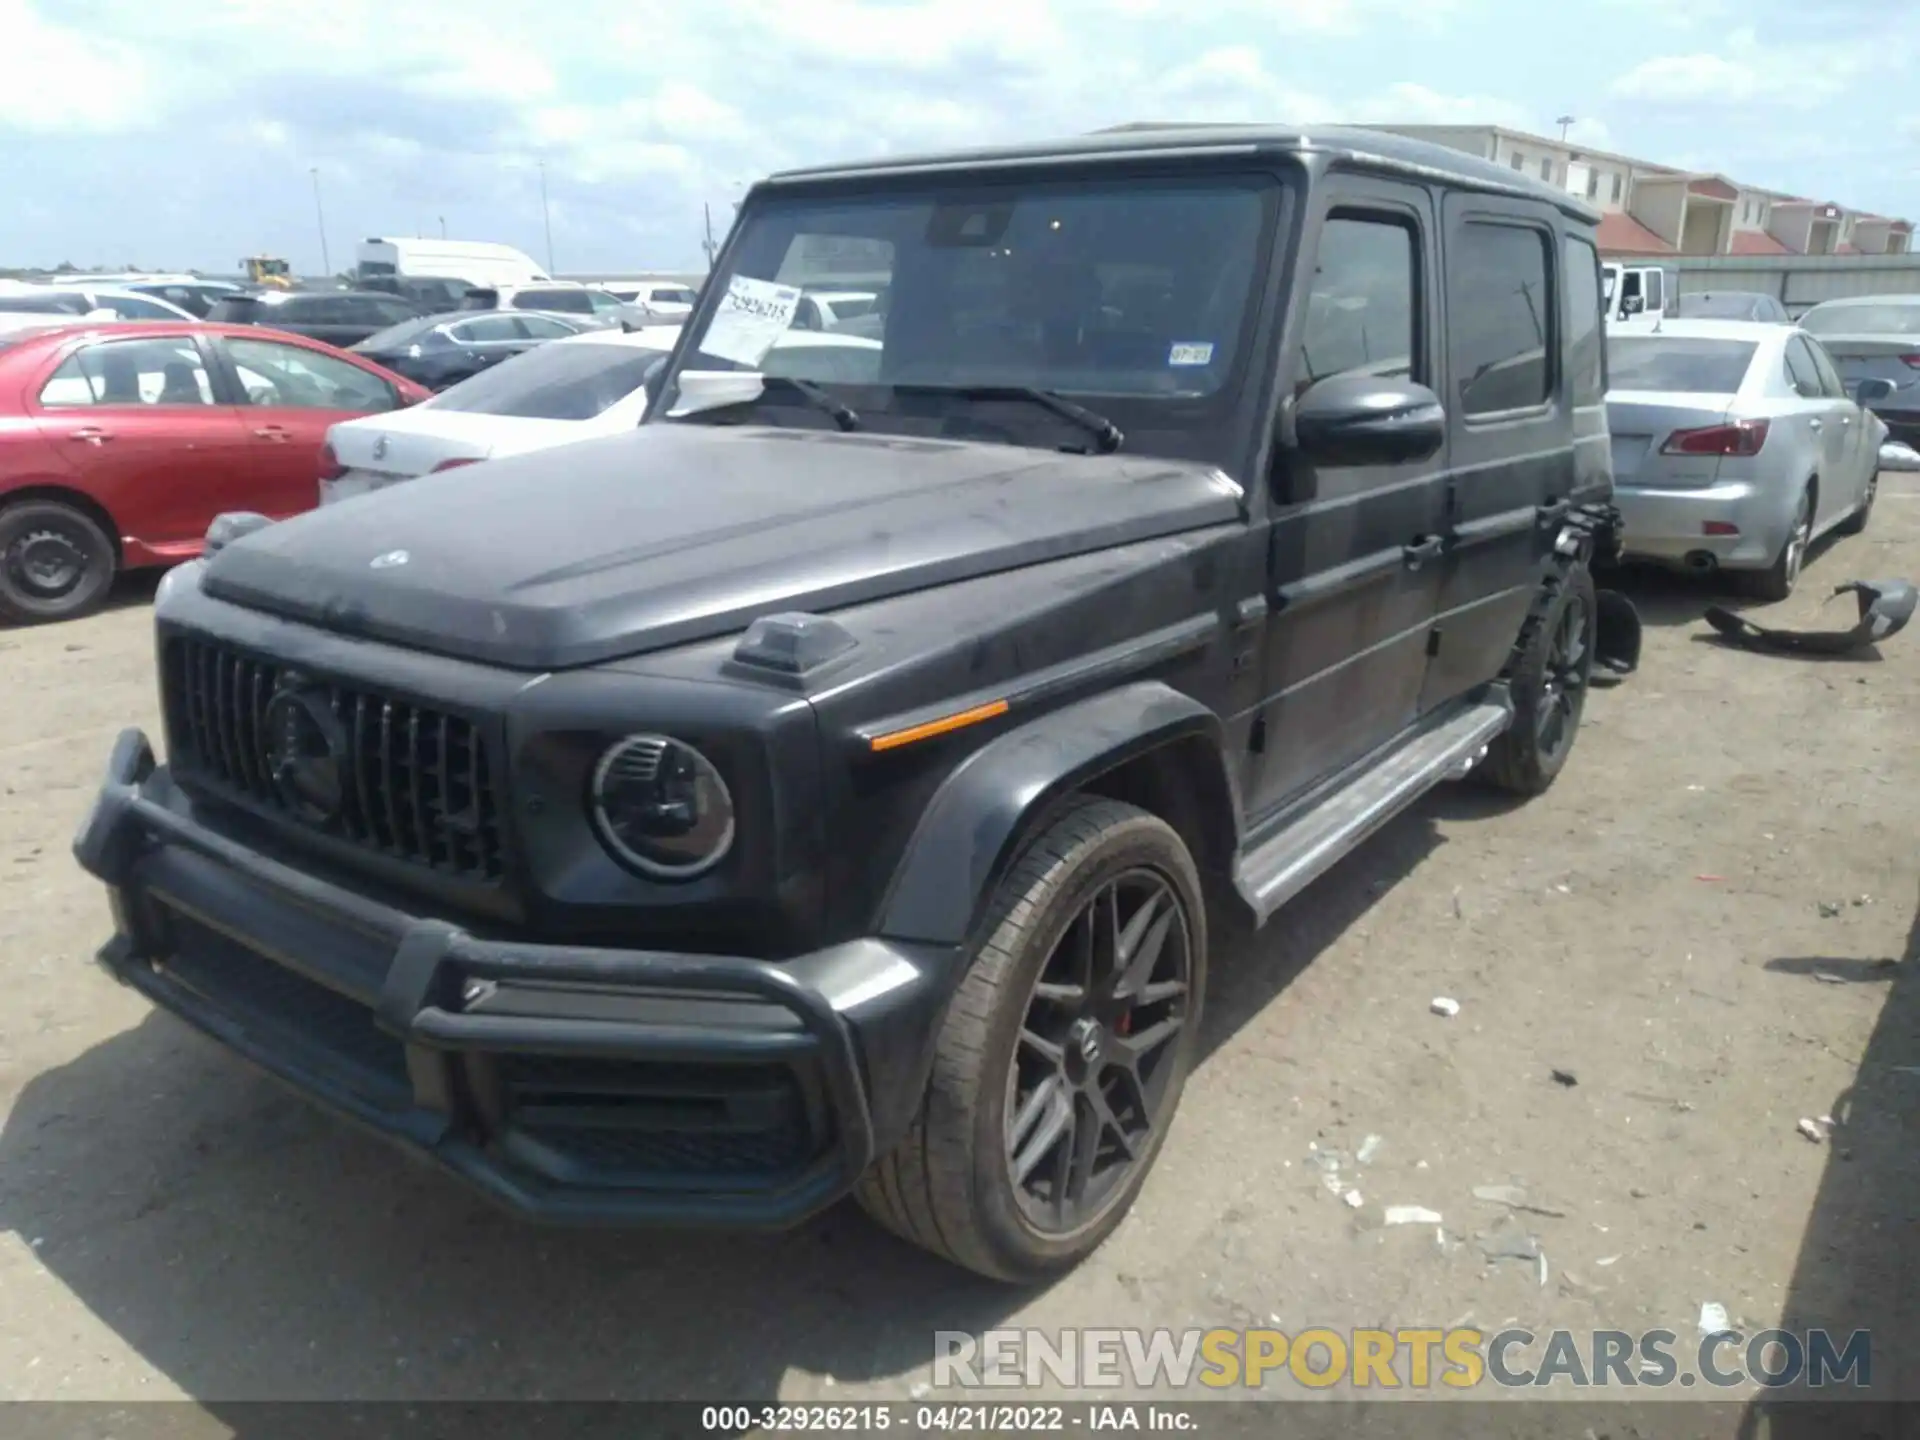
{"type": "Point", "coordinates": [832, 786]}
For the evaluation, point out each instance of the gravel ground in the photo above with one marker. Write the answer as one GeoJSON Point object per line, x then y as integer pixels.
{"type": "Point", "coordinates": [1703, 925]}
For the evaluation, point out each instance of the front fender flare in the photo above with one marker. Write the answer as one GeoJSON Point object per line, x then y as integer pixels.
{"type": "Point", "coordinates": [969, 833]}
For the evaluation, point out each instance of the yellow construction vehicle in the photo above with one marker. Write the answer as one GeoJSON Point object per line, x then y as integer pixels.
{"type": "Point", "coordinates": [267, 270]}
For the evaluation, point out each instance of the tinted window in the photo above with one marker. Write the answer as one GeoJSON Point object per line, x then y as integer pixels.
{"type": "Point", "coordinates": [488, 330]}
{"type": "Point", "coordinates": [576, 302]}
{"type": "Point", "coordinates": [1360, 310]}
{"type": "Point", "coordinates": [306, 310]}
{"type": "Point", "coordinates": [600, 302]}
{"type": "Point", "coordinates": [1585, 347]}
{"type": "Point", "coordinates": [1113, 288]}
{"type": "Point", "coordinates": [1648, 362]}
{"type": "Point", "coordinates": [1656, 290]}
{"type": "Point", "coordinates": [1892, 319]}
{"type": "Point", "coordinates": [131, 372]}
{"type": "Point", "coordinates": [555, 382]}
{"type": "Point", "coordinates": [237, 310]}
{"type": "Point", "coordinates": [396, 337]}
{"type": "Point", "coordinates": [292, 375]}
{"type": "Point", "coordinates": [1498, 312]}
{"type": "Point", "coordinates": [1803, 374]}
{"type": "Point", "coordinates": [674, 297]}
{"type": "Point", "coordinates": [543, 327]}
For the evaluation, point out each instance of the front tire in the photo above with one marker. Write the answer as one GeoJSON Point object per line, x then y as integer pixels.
{"type": "Point", "coordinates": [1063, 1054]}
{"type": "Point", "coordinates": [1548, 683]}
{"type": "Point", "coordinates": [56, 563]}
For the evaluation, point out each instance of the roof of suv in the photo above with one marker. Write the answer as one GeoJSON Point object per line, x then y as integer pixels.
{"type": "Point", "coordinates": [1376, 149]}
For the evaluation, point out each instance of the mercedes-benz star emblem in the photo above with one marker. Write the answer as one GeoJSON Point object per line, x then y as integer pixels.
{"type": "Point", "coordinates": [380, 448]}
{"type": "Point", "coordinates": [307, 752]}
{"type": "Point", "coordinates": [389, 560]}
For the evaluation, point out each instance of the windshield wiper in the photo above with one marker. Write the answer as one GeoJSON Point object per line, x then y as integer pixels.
{"type": "Point", "coordinates": [1106, 434]}
{"type": "Point", "coordinates": [842, 415]}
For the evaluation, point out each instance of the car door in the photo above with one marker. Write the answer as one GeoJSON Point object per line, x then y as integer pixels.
{"type": "Point", "coordinates": [1831, 425]}
{"type": "Point", "coordinates": [1841, 496]}
{"type": "Point", "coordinates": [290, 395]}
{"type": "Point", "coordinates": [1509, 431]}
{"type": "Point", "coordinates": [143, 426]}
{"type": "Point", "coordinates": [1353, 550]}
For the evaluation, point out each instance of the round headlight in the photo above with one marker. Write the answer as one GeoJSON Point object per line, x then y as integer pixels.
{"type": "Point", "coordinates": [661, 807]}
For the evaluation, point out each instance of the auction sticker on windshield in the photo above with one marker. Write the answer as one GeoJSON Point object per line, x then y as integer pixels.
{"type": "Point", "coordinates": [752, 315]}
{"type": "Point", "coordinates": [1191, 352]}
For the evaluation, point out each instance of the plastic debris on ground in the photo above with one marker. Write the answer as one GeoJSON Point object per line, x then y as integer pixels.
{"type": "Point", "coordinates": [1412, 1215]}
{"type": "Point", "coordinates": [1811, 1129]}
{"type": "Point", "coordinates": [1509, 1241]}
{"type": "Point", "coordinates": [1443, 1005]}
{"type": "Point", "coordinates": [1369, 1148]}
{"type": "Point", "coordinates": [1713, 1318]}
{"type": "Point", "coordinates": [1353, 1199]}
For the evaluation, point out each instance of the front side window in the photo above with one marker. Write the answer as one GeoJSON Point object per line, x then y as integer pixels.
{"type": "Point", "coordinates": [1830, 383]}
{"type": "Point", "coordinates": [1360, 311]}
{"type": "Point", "coordinates": [274, 374]}
{"type": "Point", "coordinates": [1499, 314]}
{"type": "Point", "coordinates": [1802, 373]}
{"type": "Point", "coordinates": [130, 372]}
{"type": "Point", "coordinates": [492, 330]}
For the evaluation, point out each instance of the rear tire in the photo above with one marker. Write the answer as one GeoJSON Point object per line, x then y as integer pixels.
{"type": "Point", "coordinates": [1855, 523]}
{"type": "Point", "coordinates": [1776, 582]}
{"type": "Point", "coordinates": [1549, 683]}
{"type": "Point", "coordinates": [56, 563]}
{"type": "Point", "coordinates": [1048, 1060]}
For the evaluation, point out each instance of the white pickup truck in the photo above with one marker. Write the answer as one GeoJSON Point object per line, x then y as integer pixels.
{"type": "Point", "coordinates": [1638, 292]}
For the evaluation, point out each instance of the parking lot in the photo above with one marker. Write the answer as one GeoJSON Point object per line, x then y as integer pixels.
{"type": "Point", "coordinates": [1702, 927]}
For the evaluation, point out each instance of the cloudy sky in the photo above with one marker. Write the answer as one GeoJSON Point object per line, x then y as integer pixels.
{"type": "Point", "coordinates": [188, 132]}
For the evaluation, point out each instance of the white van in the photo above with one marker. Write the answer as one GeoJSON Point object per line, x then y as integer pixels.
{"type": "Point", "coordinates": [1638, 292]}
{"type": "Point", "coordinates": [478, 262]}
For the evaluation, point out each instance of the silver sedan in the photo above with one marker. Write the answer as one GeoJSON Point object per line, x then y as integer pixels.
{"type": "Point", "coordinates": [1735, 446]}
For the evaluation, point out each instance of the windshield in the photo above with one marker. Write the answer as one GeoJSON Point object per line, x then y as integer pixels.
{"type": "Point", "coordinates": [1701, 367]}
{"type": "Point", "coordinates": [75, 304]}
{"type": "Point", "coordinates": [1136, 293]}
{"type": "Point", "coordinates": [556, 382]}
{"type": "Point", "coordinates": [1892, 319]}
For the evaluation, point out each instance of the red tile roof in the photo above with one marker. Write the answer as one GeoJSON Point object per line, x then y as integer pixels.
{"type": "Point", "coordinates": [1846, 247]}
{"type": "Point", "coordinates": [1624, 235]}
{"type": "Point", "coordinates": [1755, 242]}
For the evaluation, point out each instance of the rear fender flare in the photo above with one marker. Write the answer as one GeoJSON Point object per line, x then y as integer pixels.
{"type": "Point", "coordinates": [971, 832]}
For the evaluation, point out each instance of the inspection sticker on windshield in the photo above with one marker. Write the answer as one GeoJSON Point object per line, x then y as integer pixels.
{"type": "Point", "coordinates": [752, 315]}
{"type": "Point", "coordinates": [1191, 352]}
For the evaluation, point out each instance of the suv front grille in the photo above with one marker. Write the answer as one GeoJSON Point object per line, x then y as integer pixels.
{"type": "Point", "coordinates": [414, 783]}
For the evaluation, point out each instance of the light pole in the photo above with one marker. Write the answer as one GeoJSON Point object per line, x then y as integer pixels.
{"type": "Point", "coordinates": [546, 218]}
{"type": "Point", "coordinates": [320, 217]}
{"type": "Point", "coordinates": [1565, 122]}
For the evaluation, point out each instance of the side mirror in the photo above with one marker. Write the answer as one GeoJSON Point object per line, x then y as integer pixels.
{"type": "Point", "coordinates": [1368, 420]}
{"type": "Point", "coordinates": [1872, 389]}
{"type": "Point", "coordinates": [1632, 305]}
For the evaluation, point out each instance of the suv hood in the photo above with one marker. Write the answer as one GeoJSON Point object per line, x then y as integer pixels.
{"type": "Point", "coordinates": [673, 533]}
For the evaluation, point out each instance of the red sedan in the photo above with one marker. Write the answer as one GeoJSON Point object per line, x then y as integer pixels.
{"type": "Point", "coordinates": [120, 443]}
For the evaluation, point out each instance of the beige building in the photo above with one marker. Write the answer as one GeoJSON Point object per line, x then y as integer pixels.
{"type": "Point", "coordinates": [1650, 209]}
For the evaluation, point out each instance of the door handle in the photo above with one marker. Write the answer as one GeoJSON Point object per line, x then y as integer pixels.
{"type": "Point", "coordinates": [272, 432]}
{"type": "Point", "coordinates": [92, 434]}
{"type": "Point", "coordinates": [1418, 552]}
{"type": "Point", "coordinates": [1846, 420]}
{"type": "Point", "coordinates": [1816, 425]}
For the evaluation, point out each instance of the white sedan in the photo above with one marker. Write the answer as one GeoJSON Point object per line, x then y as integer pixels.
{"type": "Point", "coordinates": [572, 389]}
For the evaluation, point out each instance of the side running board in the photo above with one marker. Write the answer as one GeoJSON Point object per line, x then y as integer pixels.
{"type": "Point", "coordinates": [1304, 849]}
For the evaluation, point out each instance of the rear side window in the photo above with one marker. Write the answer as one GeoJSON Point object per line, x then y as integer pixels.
{"type": "Point", "coordinates": [1499, 313]}
{"type": "Point", "coordinates": [1702, 367]}
{"type": "Point", "coordinates": [1830, 383]}
{"type": "Point", "coordinates": [1360, 313]}
{"type": "Point", "coordinates": [489, 331]}
{"type": "Point", "coordinates": [555, 382]}
{"type": "Point", "coordinates": [1585, 350]}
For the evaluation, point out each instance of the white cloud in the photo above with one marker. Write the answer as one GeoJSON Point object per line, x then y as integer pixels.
{"type": "Point", "coordinates": [56, 79]}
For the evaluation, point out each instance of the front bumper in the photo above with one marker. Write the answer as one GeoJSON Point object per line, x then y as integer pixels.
{"type": "Point", "coordinates": [1669, 525]}
{"type": "Point", "coordinates": [572, 1084]}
